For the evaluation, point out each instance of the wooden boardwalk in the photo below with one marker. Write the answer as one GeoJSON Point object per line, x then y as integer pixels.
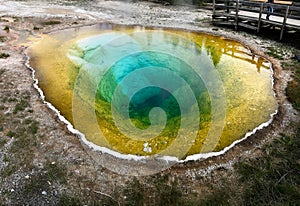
{"type": "Point", "coordinates": [252, 15]}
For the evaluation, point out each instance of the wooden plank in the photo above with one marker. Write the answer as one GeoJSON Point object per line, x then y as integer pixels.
{"type": "Point", "coordinates": [249, 9]}
{"type": "Point", "coordinates": [250, 3]}
{"type": "Point", "coordinates": [247, 26]}
{"type": "Point", "coordinates": [283, 2]}
{"type": "Point", "coordinates": [295, 8]}
{"type": "Point", "coordinates": [252, 19]}
{"type": "Point", "coordinates": [224, 23]}
{"type": "Point", "coordinates": [224, 15]}
{"type": "Point", "coordinates": [293, 17]}
{"type": "Point", "coordinates": [284, 22]}
{"type": "Point", "coordinates": [291, 26]}
{"type": "Point", "coordinates": [277, 6]}
{"type": "Point", "coordinates": [270, 22]}
{"type": "Point", "coordinates": [224, 7]}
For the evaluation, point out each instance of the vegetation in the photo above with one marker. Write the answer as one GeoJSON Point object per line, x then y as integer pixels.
{"type": "Point", "coordinates": [52, 172]}
{"type": "Point", "coordinates": [293, 88]}
{"type": "Point", "coordinates": [4, 55]}
{"type": "Point", "coordinates": [274, 177]}
{"type": "Point", "coordinates": [2, 38]}
{"type": "Point", "coordinates": [21, 106]}
{"type": "Point", "coordinates": [6, 28]}
{"type": "Point", "coordinates": [276, 53]}
{"type": "Point", "coordinates": [50, 22]}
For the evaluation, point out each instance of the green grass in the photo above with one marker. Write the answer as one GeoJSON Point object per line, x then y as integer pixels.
{"type": "Point", "coordinates": [10, 134]}
{"type": "Point", "coordinates": [33, 127]}
{"type": "Point", "coordinates": [2, 38]}
{"type": "Point", "coordinates": [5, 159]}
{"type": "Point", "coordinates": [293, 89]}
{"type": "Point", "coordinates": [9, 170]}
{"type": "Point", "coordinates": [21, 106]}
{"type": "Point", "coordinates": [3, 141]}
{"type": "Point", "coordinates": [40, 182]}
{"type": "Point", "coordinates": [56, 172]}
{"type": "Point", "coordinates": [275, 52]}
{"type": "Point", "coordinates": [50, 22]}
{"type": "Point", "coordinates": [36, 184]}
{"type": "Point", "coordinates": [274, 177]}
{"type": "Point", "coordinates": [4, 55]}
{"type": "Point", "coordinates": [160, 188]}
{"type": "Point", "coordinates": [66, 200]}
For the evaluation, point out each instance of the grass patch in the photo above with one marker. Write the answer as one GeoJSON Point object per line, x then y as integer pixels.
{"type": "Point", "coordinates": [9, 170]}
{"type": "Point", "coordinates": [293, 93]}
{"type": "Point", "coordinates": [56, 172]}
{"type": "Point", "coordinates": [51, 22]}
{"type": "Point", "coordinates": [40, 182]}
{"type": "Point", "coordinates": [11, 134]}
{"type": "Point", "coordinates": [276, 52]}
{"type": "Point", "coordinates": [66, 200]}
{"type": "Point", "coordinates": [20, 106]}
{"type": "Point", "coordinates": [5, 159]}
{"type": "Point", "coordinates": [2, 142]}
{"type": "Point", "coordinates": [75, 200]}
{"type": "Point", "coordinates": [2, 38]}
{"type": "Point", "coordinates": [36, 184]}
{"type": "Point", "coordinates": [20, 144]}
{"type": "Point", "coordinates": [293, 89]}
{"type": "Point", "coordinates": [274, 177]}
{"type": "Point", "coordinates": [33, 125]}
{"type": "Point", "coordinates": [270, 179]}
{"type": "Point", "coordinates": [12, 99]}
{"type": "Point", "coordinates": [4, 55]}
{"type": "Point", "coordinates": [160, 190]}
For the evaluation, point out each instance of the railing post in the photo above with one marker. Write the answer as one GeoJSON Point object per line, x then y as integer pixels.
{"type": "Point", "coordinates": [214, 8]}
{"type": "Point", "coordinates": [259, 18]}
{"type": "Point", "coordinates": [236, 14]}
{"type": "Point", "coordinates": [284, 22]}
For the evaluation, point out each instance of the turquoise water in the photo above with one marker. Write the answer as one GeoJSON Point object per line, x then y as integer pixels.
{"type": "Point", "coordinates": [143, 100]}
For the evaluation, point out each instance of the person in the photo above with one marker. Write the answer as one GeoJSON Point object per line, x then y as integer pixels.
{"type": "Point", "coordinates": [270, 9]}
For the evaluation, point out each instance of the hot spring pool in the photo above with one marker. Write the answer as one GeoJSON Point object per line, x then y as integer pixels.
{"type": "Point", "coordinates": [151, 91]}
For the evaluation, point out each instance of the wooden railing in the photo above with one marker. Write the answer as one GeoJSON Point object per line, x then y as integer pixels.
{"type": "Point", "coordinates": [252, 15]}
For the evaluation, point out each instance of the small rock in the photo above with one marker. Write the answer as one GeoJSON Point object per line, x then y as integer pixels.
{"type": "Point", "coordinates": [27, 177]}
{"type": "Point", "coordinates": [44, 193]}
{"type": "Point", "coordinates": [12, 190]}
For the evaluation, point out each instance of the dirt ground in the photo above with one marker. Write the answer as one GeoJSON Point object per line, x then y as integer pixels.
{"type": "Point", "coordinates": [40, 160]}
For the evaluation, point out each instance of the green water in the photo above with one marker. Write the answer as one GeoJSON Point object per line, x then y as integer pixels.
{"type": "Point", "coordinates": [146, 91]}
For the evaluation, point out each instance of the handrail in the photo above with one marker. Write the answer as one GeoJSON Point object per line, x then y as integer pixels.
{"type": "Point", "coordinates": [234, 11]}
